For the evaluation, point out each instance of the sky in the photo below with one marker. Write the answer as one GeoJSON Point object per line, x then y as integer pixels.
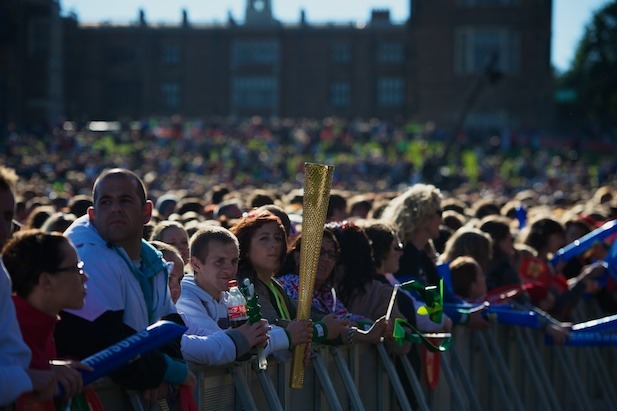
{"type": "Point", "coordinates": [569, 16]}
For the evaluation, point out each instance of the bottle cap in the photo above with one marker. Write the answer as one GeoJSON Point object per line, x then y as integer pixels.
{"type": "Point", "coordinates": [232, 283]}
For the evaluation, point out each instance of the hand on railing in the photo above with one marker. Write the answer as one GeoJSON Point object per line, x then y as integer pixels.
{"type": "Point", "coordinates": [256, 334]}
{"type": "Point", "coordinates": [300, 332]}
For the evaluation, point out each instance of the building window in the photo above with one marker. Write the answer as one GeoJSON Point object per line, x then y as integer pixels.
{"type": "Point", "coordinates": [390, 92]}
{"type": "Point", "coordinates": [390, 53]}
{"type": "Point", "coordinates": [481, 3]}
{"type": "Point", "coordinates": [172, 95]}
{"type": "Point", "coordinates": [340, 94]}
{"type": "Point", "coordinates": [340, 53]}
{"type": "Point", "coordinates": [251, 52]}
{"type": "Point", "coordinates": [171, 54]}
{"type": "Point", "coordinates": [475, 46]}
{"type": "Point", "coordinates": [254, 92]}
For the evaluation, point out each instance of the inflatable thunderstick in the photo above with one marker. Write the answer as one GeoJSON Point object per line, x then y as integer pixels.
{"type": "Point", "coordinates": [317, 184]}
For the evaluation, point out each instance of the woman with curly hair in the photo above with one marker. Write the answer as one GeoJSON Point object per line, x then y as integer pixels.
{"type": "Point", "coordinates": [416, 214]}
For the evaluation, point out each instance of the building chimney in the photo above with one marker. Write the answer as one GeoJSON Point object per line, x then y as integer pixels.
{"type": "Point", "coordinates": [380, 16]}
{"type": "Point", "coordinates": [142, 18]}
{"type": "Point", "coordinates": [185, 18]}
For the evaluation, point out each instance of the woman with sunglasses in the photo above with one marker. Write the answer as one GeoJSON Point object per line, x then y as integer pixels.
{"type": "Point", "coordinates": [324, 294]}
{"type": "Point", "coordinates": [47, 278]}
{"type": "Point", "coordinates": [387, 251]}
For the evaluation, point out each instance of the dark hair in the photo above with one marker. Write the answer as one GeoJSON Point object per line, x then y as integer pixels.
{"type": "Point", "coordinates": [58, 222]}
{"type": "Point", "coordinates": [581, 223]}
{"type": "Point", "coordinates": [29, 253]}
{"type": "Point", "coordinates": [280, 213]}
{"type": "Point", "coordinates": [218, 193]}
{"type": "Point", "coordinates": [187, 204]}
{"type": "Point", "coordinates": [38, 216]}
{"type": "Point", "coordinates": [453, 219]}
{"type": "Point", "coordinates": [244, 230]}
{"type": "Point", "coordinates": [381, 236]}
{"type": "Point", "coordinates": [485, 207]}
{"type": "Point", "coordinates": [199, 243]}
{"type": "Point", "coordinates": [79, 204]}
{"type": "Point", "coordinates": [539, 232]}
{"type": "Point", "coordinates": [336, 202]}
{"type": "Point", "coordinates": [290, 266]}
{"type": "Point", "coordinates": [439, 243]}
{"type": "Point", "coordinates": [498, 228]}
{"type": "Point", "coordinates": [463, 273]}
{"type": "Point", "coordinates": [454, 204]}
{"type": "Point", "coordinates": [140, 188]}
{"type": "Point", "coordinates": [361, 205]}
{"type": "Point", "coordinates": [260, 198]}
{"type": "Point", "coordinates": [355, 262]}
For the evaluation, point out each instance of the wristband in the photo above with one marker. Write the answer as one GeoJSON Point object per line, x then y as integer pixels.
{"type": "Point", "coordinates": [288, 334]}
{"type": "Point", "coordinates": [320, 332]}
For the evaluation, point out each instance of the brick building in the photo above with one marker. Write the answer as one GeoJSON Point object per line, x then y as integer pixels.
{"type": "Point", "coordinates": [478, 63]}
{"type": "Point", "coordinates": [31, 61]}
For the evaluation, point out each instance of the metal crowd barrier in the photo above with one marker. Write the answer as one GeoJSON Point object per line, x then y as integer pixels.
{"type": "Point", "coordinates": [338, 378]}
{"type": "Point", "coordinates": [511, 368]}
{"type": "Point", "coordinates": [505, 367]}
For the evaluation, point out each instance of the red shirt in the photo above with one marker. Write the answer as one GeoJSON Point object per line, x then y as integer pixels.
{"type": "Point", "coordinates": [37, 329]}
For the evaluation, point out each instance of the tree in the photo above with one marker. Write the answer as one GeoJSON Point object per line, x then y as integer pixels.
{"type": "Point", "coordinates": [592, 79]}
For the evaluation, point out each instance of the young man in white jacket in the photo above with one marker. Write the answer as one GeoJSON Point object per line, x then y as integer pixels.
{"type": "Point", "coordinates": [214, 257]}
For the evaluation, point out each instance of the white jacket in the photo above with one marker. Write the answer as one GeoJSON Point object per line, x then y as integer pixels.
{"type": "Point", "coordinates": [206, 341]}
{"type": "Point", "coordinates": [111, 284]}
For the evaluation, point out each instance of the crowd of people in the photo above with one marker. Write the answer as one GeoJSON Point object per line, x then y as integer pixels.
{"type": "Point", "coordinates": [93, 253]}
{"type": "Point", "coordinates": [370, 156]}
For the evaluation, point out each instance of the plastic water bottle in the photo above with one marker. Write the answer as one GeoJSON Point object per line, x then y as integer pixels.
{"type": "Point", "coordinates": [236, 305]}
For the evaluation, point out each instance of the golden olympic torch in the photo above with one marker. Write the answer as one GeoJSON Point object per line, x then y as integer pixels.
{"type": "Point", "coordinates": [317, 184]}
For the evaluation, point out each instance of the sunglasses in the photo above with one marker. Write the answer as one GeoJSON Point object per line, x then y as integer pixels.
{"type": "Point", "coordinates": [78, 268]}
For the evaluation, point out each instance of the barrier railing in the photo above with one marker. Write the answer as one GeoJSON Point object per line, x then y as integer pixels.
{"type": "Point", "coordinates": [505, 367]}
